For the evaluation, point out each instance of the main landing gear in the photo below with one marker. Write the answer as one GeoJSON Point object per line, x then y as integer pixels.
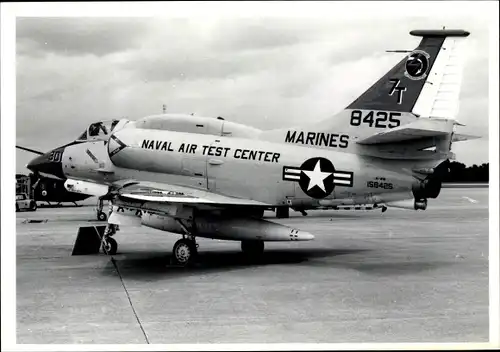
{"type": "Point", "coordinates": [420, 204]}
{"type": "Point", "coordinates": [185, 250]}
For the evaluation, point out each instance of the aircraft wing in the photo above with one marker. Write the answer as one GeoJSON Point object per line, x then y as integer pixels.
{"type": "Point", "coordinates": [166, 193]}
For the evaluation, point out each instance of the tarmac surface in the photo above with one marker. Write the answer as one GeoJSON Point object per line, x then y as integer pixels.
{"type": "Point", "coordinates": [398, 276]}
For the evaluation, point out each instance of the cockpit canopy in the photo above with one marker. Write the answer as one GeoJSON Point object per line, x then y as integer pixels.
{"type": "Point", "coordinates": [98, 130]}
{"type": "Point", "coordinates": [102, 130]}
{"type": "Point", "coordinates": [196, 124]}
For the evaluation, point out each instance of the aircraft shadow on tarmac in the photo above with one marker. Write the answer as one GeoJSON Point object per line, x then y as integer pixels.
{"type": "Point", "coordinates": [347, 214]}
{"type": "Point", "coordinates": [156, 265]}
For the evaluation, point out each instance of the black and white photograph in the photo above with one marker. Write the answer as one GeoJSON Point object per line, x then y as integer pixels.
{"type": "Point", "coordinates": [268, 175]}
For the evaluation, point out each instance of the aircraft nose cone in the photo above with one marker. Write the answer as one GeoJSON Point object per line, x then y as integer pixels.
{"type": "Point", "coordinates": [48, 164]}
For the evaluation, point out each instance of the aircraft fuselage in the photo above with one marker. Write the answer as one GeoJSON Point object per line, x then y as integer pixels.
{"type": "Point", "coordinates": [273, 173]}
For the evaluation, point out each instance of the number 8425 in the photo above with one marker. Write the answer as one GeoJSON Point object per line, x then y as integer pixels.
{"type": "Point", "coordinates": [377, 119]}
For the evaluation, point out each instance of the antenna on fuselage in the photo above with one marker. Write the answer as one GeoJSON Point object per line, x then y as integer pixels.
{"type": "Point", "coordinates": [398, 51]}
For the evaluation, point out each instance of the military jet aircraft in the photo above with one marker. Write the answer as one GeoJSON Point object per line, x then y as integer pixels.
{"type": "Point", "coordinates": [47, 178]}
{"type": "Point", "coordinates": [49, 188]}
{"type": "Point", "coordinates": [208, 177]}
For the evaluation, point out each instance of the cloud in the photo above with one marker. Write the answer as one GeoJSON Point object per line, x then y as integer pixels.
{"type": "Point", "coordinates": [79, 36]}
{"type": "Point", "coordinates": [264, 72]}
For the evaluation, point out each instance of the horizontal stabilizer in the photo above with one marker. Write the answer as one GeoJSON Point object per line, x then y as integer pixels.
{"type": "Point", "coordinates": [422, 128]}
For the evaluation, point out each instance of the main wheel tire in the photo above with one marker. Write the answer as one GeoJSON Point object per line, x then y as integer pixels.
{"type": "Point", "coordinates": [110, 246]}
{"type": "Point", "coordinates": [259, 213]}
{"type": "Point", "coordinates": [17, 208]}
{"type": "Point", "coordinates": [252, 248]}
{"type": "Point", "coordinates": [101, 216]}
{"type": "Point", "coordinates": [33, 206]}
{"type": "Point", "coordinates": [184, 252]}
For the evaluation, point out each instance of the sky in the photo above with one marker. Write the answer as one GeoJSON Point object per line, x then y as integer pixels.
{"type": "Point", "coordinates": [263, 71]}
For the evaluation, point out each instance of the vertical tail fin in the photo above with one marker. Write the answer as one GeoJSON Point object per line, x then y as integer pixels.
{"type": "Point", "coordinates": [422, 71]}
{"type": "Point", "coordinates": [424, 84]}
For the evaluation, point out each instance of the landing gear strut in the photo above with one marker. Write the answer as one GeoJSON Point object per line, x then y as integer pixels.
{"type": "Point", "coordinates": [109, 245]}
{"type": "Point", "coordinates": [101, 216]}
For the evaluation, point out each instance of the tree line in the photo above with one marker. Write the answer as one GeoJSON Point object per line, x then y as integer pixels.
{"type": "Point", "coordinates": [458, 172]}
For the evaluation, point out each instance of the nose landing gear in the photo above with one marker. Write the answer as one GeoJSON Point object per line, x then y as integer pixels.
{"type": "Point", "coordinates": [101, 216]}
{"type": "Point", "coordinates": [109, 245]}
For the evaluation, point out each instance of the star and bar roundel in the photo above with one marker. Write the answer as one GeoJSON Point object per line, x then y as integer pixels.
{"type": "Point", "coordinates": [317, 177]}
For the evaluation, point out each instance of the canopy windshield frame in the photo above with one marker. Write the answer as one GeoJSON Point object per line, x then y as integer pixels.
{"type": "Point", "coordinates": [98, 130]}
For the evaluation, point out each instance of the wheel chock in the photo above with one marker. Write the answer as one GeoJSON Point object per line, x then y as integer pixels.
{"type": "Point", "coordinates": [88, 240]}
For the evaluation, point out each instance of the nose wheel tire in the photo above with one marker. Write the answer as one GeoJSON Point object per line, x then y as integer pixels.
{"type": "Point", "coordinates": [109, 246]}
{"type": "Point", "coordinates": [33, 206]}
{"type": "Point", "coordinates": [184, 252]}
{"type": "Point", "coordinates": [101, 216]}
{"type": "Point", "coordinates": [252, 248]}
